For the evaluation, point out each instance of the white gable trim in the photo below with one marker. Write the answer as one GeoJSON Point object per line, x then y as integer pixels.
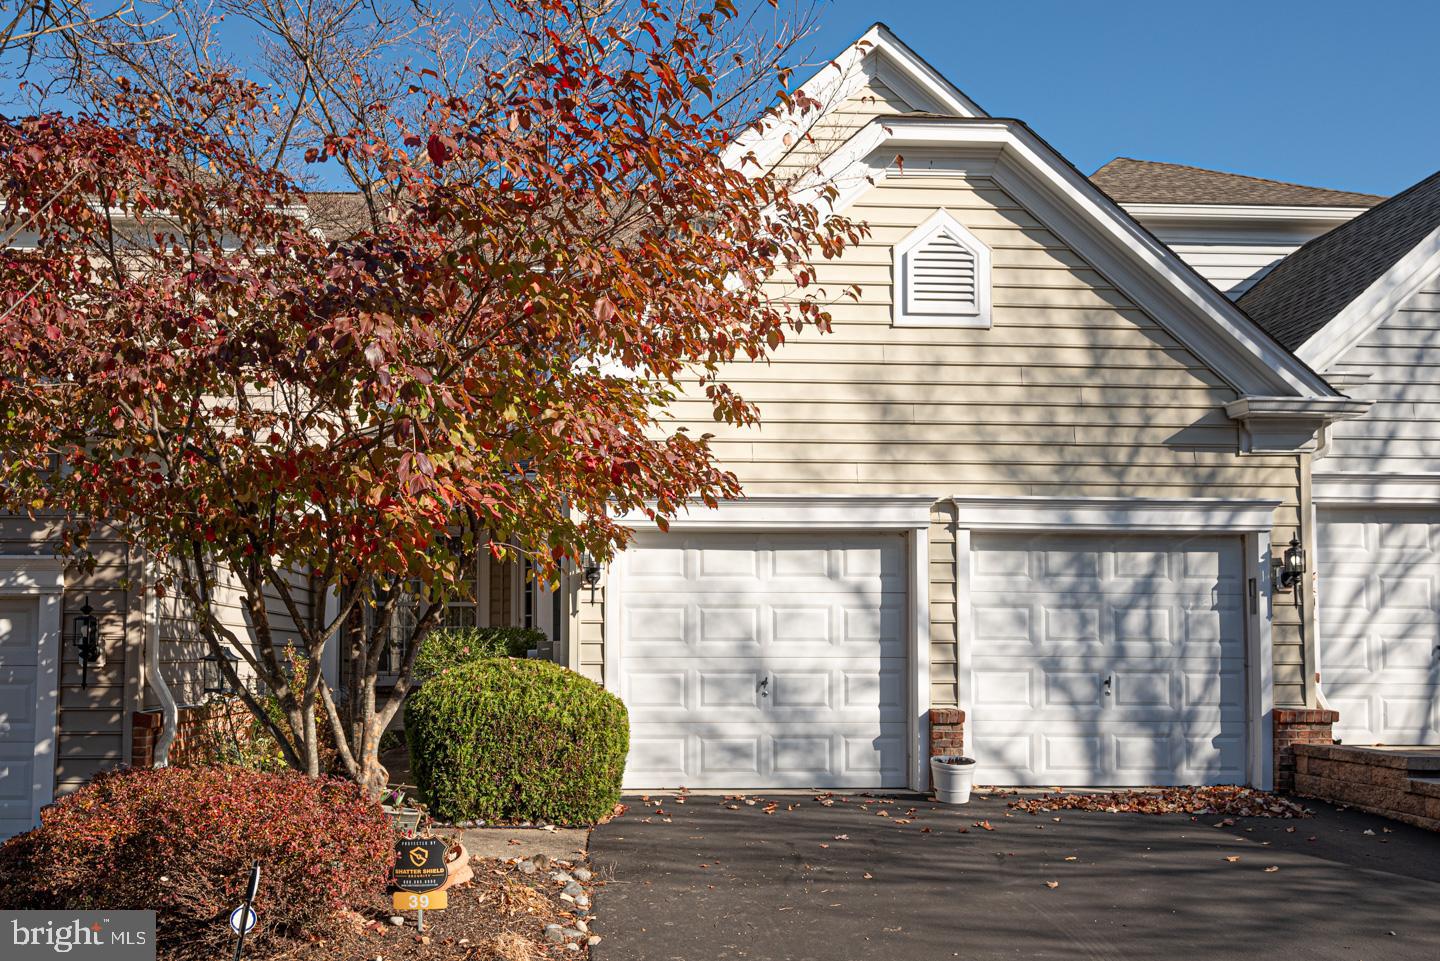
{"type": "Point", "coordinates": [1151, 274]}
{"type": "Point", "coordinates": [877, 54]}
{"type": "Point", "coordinates": [1332, 342]}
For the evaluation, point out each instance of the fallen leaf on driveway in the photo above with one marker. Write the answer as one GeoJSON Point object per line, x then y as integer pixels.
{"type": "Point", "coordinates": [963, 831]}
{"type": "Point", "coordinates": [1221, 799]}
{"type": "Point", "coordinates": [1368, 832]}
{"type": "Point", "coordinates": [824, 845]}
{"type": "Point", "coordinates": [1233, 858]}
{"type": "Point", "coordinates": [1052, 884]}
{"type": "Point", "coordinates": [902, 820]}
{"type": "Point", "coordinates": [1272, 869]}
{"type": "Point", "coordinates": [1072, 858]}
{"type": "Point", "coordinates": [842, 837]}
{"type": "Point", "coordinates": [869, 876]}
{"type": "Point", "coordinates": [984, 824]}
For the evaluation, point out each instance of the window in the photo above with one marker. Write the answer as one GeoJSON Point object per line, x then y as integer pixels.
{"type": "Point", "coordinates": [942, 276]}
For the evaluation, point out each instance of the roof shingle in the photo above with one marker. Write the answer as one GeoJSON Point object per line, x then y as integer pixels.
{"type": "Point", "coordinates": [1130, 181]}
{"type": "Point", "coordinates": [1308, 288]}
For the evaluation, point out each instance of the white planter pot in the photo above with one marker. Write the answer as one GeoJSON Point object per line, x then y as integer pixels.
{"type": "Point", "coordinates": [952, 781]}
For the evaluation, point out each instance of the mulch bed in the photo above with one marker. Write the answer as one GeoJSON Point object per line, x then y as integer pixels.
{"type": "Point", "coordinates": [1226, 799]}
{"type": "Point", "coordinates": [500, 916]}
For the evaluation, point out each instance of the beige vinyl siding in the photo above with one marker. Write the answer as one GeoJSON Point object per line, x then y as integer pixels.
{"type": "Point", "coordinates": [1074, 391]}
{"type": "Point", "coordinates": [1234, 267]}
{"type": "Point", "coordinates": [93, 721]}
{"type": "Point", "coordinates": [1401, 431]}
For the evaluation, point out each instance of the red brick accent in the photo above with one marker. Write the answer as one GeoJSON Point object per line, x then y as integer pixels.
{"type": "Point", "coordinates": [947, 732]}
{"type": "Point", "coordinates": [1294, 726]}
{"type": "Point", "coordinates": [187, 746]}
{"type": "Point", "coordinates": [146, 732]}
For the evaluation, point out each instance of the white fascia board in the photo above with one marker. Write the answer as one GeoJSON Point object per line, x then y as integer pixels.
{"type": "Point", "coordinates": [892, 512]}
{"type": "Point", "coordinates": [1330, 343]}
{"type": "Point", "coordinates": [1315, 219]}
{"type": "Point", "coordinates": [31, 574]}
{"type": "Point", "coordinates": [1119, 514]}
{"type": "Point", "coordinates": [878, 52]}
{"type": "Point", "coordinates": [1364, 489]}
{"type": "Point", "coordinates": [1148, 271]}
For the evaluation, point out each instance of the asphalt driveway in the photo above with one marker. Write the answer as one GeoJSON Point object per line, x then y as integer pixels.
{"type": "Point", "coordinates": [696, 881]}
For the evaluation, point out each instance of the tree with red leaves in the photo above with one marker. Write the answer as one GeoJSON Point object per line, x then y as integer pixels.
{"type": "Point", "coordinates": [482, 366]}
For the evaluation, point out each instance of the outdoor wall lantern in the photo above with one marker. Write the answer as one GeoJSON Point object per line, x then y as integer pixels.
{"type": "Point", "coordinates": [213, 676]}
{"type": "Point", "coordinates": [85, 632]}
{"type": "Point", "coordinates": [1290, 568]}
{"type": "Point", "coordinates": [590, 574]}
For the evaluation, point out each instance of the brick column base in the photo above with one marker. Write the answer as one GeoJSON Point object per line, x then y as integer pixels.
{"type": "Point", "coordinates": [1298, 726]}
{"type": "Point", "coordinates": [147, 726]}
{"type": "Point", "coordinates": [947, 734]}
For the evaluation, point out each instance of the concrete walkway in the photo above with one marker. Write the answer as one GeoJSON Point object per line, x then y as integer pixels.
{"type": "Point", "coordinates": [701, 882]}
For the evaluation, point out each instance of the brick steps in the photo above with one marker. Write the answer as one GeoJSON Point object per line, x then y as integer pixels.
{"type": "Point", "coordinates": [1397, 783]}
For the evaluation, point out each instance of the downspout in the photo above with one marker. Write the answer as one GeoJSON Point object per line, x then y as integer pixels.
{"type": "Point", "coordinates": [169, 710]}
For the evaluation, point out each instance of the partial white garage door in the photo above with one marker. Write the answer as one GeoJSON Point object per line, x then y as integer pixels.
{"type": "Point", "coordinates": [1379, 593]}
{"type": "Point", "coordinates": [1107, 660]}
{"type": "Point", "coordinates": [20, 723]}
{"type": "Point", "coordinates": [752, 661]}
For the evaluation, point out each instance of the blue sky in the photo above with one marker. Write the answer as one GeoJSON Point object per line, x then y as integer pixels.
{"type": "Point", "coordinates": [1331, 94]}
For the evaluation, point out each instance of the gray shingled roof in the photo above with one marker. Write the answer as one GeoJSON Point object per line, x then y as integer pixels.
{"type": "Point", "coordinates": [1308, 288]}
{"type": "Point", "coordinates": [1130, 181]}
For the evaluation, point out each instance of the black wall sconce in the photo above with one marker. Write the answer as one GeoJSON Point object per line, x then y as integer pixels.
{"type": "Point", "coordinates": [213, 676]}
{"type": "Point", "coordinates": [1289, 569]}
{"type": "Point", "coordinates": [590, 574]}
{"type": "Point", "coordinates": [85, 634]}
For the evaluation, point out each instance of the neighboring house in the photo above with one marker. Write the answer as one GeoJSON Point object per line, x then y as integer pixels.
{"type": "Point", "coordinates": [1229, 227]}
{"type": "Point", "coordinates": [1028, 493]}
{"type": "Point", "coordinates": [1362, 306]}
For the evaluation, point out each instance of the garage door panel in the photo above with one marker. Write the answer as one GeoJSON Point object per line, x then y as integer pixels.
{"type": "Point", "coordinates": [1056, 616]}
{"type": "Point", "coordinates": [22, 728]}
{"type": "Point", "coordinates": [1379, 592]}
{"type": "Point", "coordinates": [785, 667]}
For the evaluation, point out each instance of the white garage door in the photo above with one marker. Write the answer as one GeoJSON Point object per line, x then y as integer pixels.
{"type": "Point", "coordinates": [20, 670]}
{"type": "Point", "coordinates": [753, 661]}
{"type": "Point", "coordinates": [1107, 660]}
{"type": "Point", "coordinates": [1379, 593]}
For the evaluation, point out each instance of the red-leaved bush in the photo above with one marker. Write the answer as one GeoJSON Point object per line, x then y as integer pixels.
{"type": "Point", "coordinates": [180, 841]}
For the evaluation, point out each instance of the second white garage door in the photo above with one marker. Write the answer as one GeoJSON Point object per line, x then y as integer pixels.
{"type": "Point", "coordinates": [1379, 591]}
{"type": "Point", "coordinates": [1107, 660]}
{"type": "Point", "coordinates": [752, 661]}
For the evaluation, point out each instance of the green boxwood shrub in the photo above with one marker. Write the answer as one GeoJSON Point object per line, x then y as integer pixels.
{"type": "Point", "coordinates": [180, 841]}
{"type": "Point", "coordinates": [517, 740]}
{"type": "Point", "coordinates": [447, 647]}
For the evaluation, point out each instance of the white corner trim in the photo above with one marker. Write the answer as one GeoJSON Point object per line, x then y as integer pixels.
{"type": "Point", "coordinates": [904, 311]}
{"type": "Point", "coordinates": [1364, 489]}
{"type": "Point", "coordinates": [1061, 514]}
{"type": "Point", "coordinates": [785, 512]}
{"type": "Point", "coordinates": [1260, 663]}
{"type": "Point", "coordinates": [878, 52]}
{"type": "Point", "coordinates": [30, 575]}
{"type": "Point", "coordinates": [1148, 271]}
{"type": "Point", "coordinates": [1367, 311]}
{"type": "Point", "coordinates": [919, 617]}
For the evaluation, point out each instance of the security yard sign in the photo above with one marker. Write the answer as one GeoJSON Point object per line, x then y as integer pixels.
{"type": "Point", "coordinates": [420, 864]}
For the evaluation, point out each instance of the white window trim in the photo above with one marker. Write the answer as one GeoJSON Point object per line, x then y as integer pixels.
{"type": "Point", "coordinates": [1251, 520]}
{"type": "Point", "coordinates": [902, 315]}
{"type": "Point", "coordinates": [44, 578]}
{"type": "Point", "coordinates": [908, 514]}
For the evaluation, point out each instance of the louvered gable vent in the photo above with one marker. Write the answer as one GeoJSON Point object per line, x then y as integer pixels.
{"type": "Point", "coordinates": [944, 276]}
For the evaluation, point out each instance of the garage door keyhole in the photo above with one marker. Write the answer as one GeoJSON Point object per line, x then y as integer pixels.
{"type": "Point", "coordinates": [1109, 678]}
{"type": "Point", "coordinates": [765, 686]}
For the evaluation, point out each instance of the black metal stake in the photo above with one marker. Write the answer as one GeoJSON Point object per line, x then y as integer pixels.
{"type": "Point", "coordinates": [251, 889]}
